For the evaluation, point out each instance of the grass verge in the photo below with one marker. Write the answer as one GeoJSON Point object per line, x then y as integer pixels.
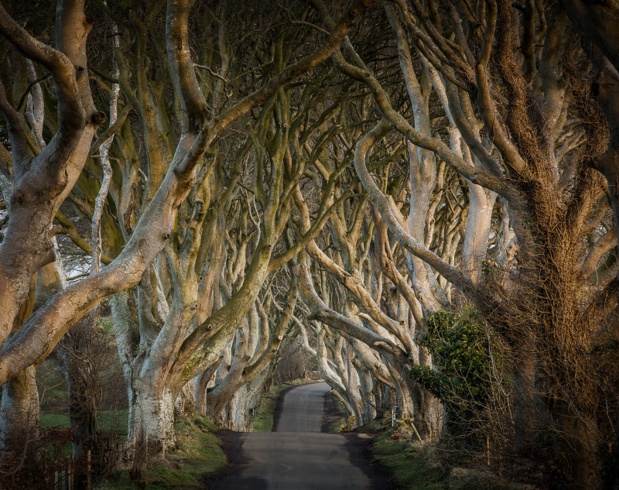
{"type": "Point", "coordinates": [421, 468]}
{"type": "Point", "coordinates": [411, 467]}
{"type": "Point", "coordinates": [199, 453]}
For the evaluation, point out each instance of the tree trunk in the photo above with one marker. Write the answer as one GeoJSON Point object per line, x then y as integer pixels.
{"type": "Point", "coordinates": [367, 387]}
{"type": "Point", "coordinates": [200, 384]}
{"type": "Point", "coordinates": [19, 419]}
{"type": "Point", "coordinates": [475, 245]}
{"type": "Point", "coordinates": [235, 414]}
{"type": "Point", "coordinates": [153, 422]}
{"type": "Point", "coordinates": [525, 415]}
{"type": "Point", "coordinates": [576, 450]}
{"type": "Point", "coordinates": [416, 404]}
{"type": "Point", "coordinates": [83, 409]}
{"type": "Point", "coordinates": [77, 360]}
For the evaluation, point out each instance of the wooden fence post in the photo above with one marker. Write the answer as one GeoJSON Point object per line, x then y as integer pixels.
{"type": "Point", "coordinates": [88, 457]}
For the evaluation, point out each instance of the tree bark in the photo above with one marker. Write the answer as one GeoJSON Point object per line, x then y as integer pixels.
{"type": "Point", "coordinates": [152, 428]}
{"type": "Point", "coordinates": [19, 419]}
{"type": "Point", "coordinates": [78, 357]}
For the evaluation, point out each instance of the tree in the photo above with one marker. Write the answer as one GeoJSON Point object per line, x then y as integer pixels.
{"type": "Point", "coordinates": [595, 21]}
{"type": "Point", "coordinates": [480, 135]}
{"type": "Point", "coordinates": [44, 177]}
{"type": "Point", "coordinates": [520, 123]}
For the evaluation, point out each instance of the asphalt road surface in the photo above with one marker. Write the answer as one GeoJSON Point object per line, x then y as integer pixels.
{"type": "Point", "coordinates": [298, 456]}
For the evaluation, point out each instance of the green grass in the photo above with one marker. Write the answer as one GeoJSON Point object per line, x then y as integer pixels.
{"type": "Point", "coordinates": [339, 419]}
{"type": "Point", "coordinates": [109, 421]}
{"type": "Point", "coordinates": [411, 467]}
{"type": "Point", "coordinates": [419, 468]}
{"type": "Point", "coordinates": [262, 418]}
{"type": "Point", "coordinates": [113, 421]}
{"type": "Point", "coordinates": [49, 420]}
{"type": "Point", "coordinates": [199, 452]}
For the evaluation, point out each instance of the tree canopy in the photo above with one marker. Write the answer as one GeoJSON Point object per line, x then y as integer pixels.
{"type": "Point", "coordinates": [422, 195]}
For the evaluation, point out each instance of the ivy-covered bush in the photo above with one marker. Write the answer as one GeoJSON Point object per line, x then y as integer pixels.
{"type": "Point", "coordinates": [462, 371]}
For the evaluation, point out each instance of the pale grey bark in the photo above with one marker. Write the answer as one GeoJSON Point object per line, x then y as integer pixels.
{"type": "Point", "coordinates": [19, 416]}
{"type": "Point", "coordinates": [42, 332]}
{"type": "Point", "coordinates": [106, 166]}
{"type": "Point", "coordinates": [248, 360]}
{"type": "Point", "coordinates": [35, 108]}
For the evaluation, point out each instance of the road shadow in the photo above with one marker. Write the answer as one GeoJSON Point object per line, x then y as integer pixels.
{"type": "Point", "coordinates": [232, 445]}
{"type": "Point", "coordinates": [359, 447]}
{"type": "Point", "coordinates": [251, 483]}
{"type": "Point", "coordinates": [332, 414]}
{"type": "Point", "coordinates": [358, 444]}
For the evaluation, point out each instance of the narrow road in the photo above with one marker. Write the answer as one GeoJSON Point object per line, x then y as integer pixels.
{"type": "Point", "coordinates": [303, 409]}
{"type": "Point", "coordinates": [298, 456]}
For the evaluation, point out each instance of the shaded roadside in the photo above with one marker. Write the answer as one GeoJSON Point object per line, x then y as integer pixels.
{"type": "Point", "coordinates": [359, 445]}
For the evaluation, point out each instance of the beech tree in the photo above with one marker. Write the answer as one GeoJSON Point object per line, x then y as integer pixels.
{"type": "Point", "coordinates": [520, 122]}
{"type": "Point", "coordinates": [41, 177]}
{"type": "Point", "coordinates": [595, 21]}
{"type": "Point", "coordinates": [449, 157]}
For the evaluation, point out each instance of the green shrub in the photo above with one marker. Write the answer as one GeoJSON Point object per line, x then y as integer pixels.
{"type": "Point", "coordinates": [462, 372]}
